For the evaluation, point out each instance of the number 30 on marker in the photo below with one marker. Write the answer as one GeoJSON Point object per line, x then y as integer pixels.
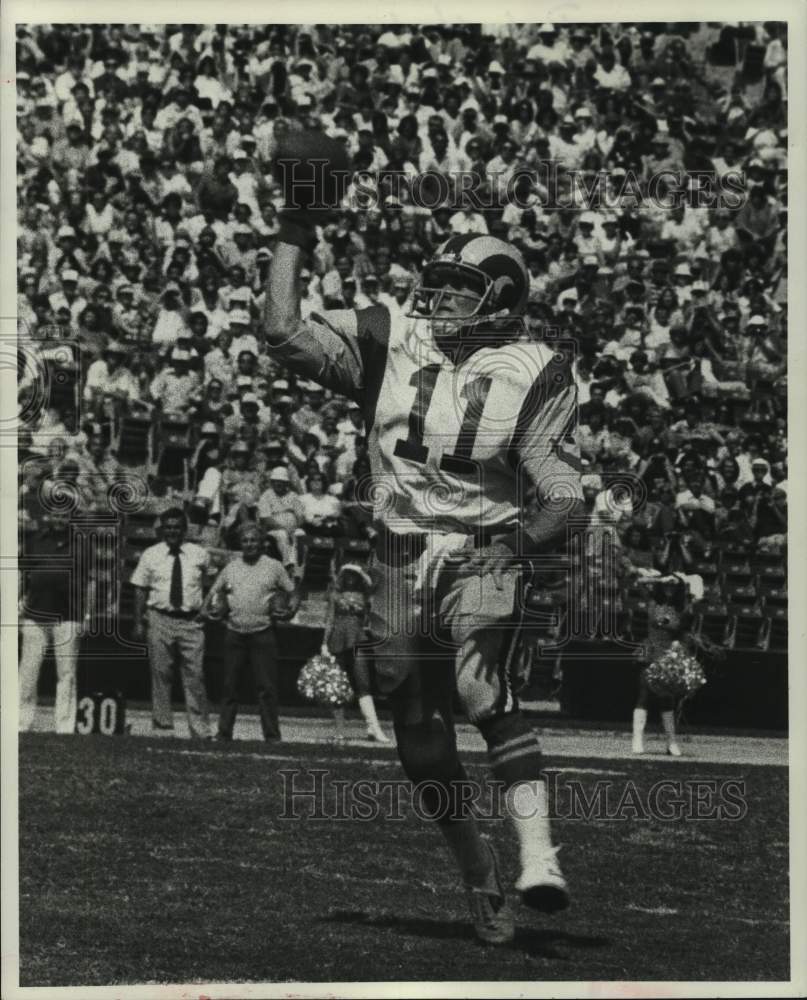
{"type": "Point", "coordinates": [101, 713]}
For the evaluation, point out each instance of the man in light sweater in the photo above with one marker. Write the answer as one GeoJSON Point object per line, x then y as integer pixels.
{"type": "Point", "coordinates": [245, 594]}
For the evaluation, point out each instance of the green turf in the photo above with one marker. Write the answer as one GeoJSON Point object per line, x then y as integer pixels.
{"type": "Point", "coordinates": [143, 862]}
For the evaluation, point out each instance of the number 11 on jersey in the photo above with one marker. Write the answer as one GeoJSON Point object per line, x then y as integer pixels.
{"type": "Point", "coordinates": [412, 447]}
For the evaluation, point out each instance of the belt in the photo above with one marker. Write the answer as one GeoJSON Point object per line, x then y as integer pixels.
{"type": "Point", "coordinates": [399, 550]}
{"type": "Point", "coordinates": [187, 615]}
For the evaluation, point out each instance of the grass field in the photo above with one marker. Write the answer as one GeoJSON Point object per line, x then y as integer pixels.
{"type": "Point", "coordinates": [160, 861]}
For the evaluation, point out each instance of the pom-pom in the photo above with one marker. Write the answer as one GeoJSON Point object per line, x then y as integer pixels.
{"type": "Point", "coordinates": [351, 602]}
{"type": "Point", "coordinates": [324, 682]}
{"type": "Point", "coordinates": [675, 674]}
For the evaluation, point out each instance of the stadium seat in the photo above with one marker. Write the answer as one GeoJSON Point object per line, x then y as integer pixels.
{"type": "Point", "coordinates": [540, 601]}
{"type": "Point", "coordinates": [707, 571]}
{"type": "Point", "coordinates": [139, 528]}
{"type": "Point", "coordinates": [134, 441]}
{"type": "Point", "coordinates": [63, 382]}
{"type": "Point", "coordinates": [772, 578]}
{"type": "Point", "coordinates": [106, 419]}
{"type": "Point", "coordinates": [542, 614]}
{"type": "Point", "coordinates": [776, 600]}
{"type": "Point", "coordinates": [742, 594]}
{"type": "Point", "coordinates": [638, 610]}
{"type": "Point", "coordinates": [126, 602]}
{"type": "Point", "coordinates": [734, 575]}
{"type": "Point", "coordinates": [711, 620]}
{"type": "Point", "coordinates": [746, 628]}
{"type": "Point", "coordinates": [356, 550]}
{"type": "Point", "coordinates": [736, 567]}
{"type": "Point", "coordinates": [762, 559]}
{"type": "Point", "coordinates": [767, 585]}
{"type": "Point", "coordinates": [175, 431]}
{"type": "Point", "coordinates": [777, 629]}
{"type": "Point", "coordinates": [735, 551]}
{"type": "Point", "coordinates": [174, 450]}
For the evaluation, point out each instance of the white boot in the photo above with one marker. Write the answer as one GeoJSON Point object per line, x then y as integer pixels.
{"type": "Point", "coordinates": [639, 722]}
{"type": "Point", "coordinates": [668, 725]}
{"type": "Point", "coordinates": [374, 730]}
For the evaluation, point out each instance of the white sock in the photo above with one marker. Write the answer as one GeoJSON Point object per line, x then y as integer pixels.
{"type": "Point", "coordinates": [639, 721]}
{"type": "Point", "coordinates": [668, 725]}
{"type": "Point", "coordinates": [528, 808]}
{"type": "Point", "coordinates": [367, 709]}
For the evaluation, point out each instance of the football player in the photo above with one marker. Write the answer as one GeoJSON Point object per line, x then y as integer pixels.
{"type": "Point", "coordinates": [474, 469]}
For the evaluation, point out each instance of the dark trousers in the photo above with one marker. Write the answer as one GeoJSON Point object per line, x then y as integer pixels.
{"type": "Point", "coordinates": [259, 650]}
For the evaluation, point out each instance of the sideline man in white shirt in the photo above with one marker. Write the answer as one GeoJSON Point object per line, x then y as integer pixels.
{"type": "Point", "coordinates": [169, 581]}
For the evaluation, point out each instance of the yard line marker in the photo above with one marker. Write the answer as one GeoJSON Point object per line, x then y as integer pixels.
{"type": "Point", "coordinates": [664, 911]}
{"type": "Point", "coordinates": [654, 911]}
{"type": "Point", "coordinates": [377, 761]}
{"type": "Point", "coordinates": [756, 923]}
{"type": "Point", "coordinates": [313, 872]}
{"type": "Point", "coordinates": [587, 770]}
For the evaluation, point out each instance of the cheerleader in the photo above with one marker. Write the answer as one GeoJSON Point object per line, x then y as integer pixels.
{"type": "Point", "coordinates": [348, 609]}
{"type": "Point", "coordinates": [669, 627]}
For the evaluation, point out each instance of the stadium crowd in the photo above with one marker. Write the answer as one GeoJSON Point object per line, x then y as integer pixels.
{"type": "Point", "coordinates": [642, 170]}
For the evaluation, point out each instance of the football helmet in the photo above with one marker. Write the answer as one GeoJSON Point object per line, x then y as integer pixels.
{"type": "Point", "coordinates": [491, 273]}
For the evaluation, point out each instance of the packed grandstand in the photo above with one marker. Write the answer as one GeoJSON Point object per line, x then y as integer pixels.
{"type": "Point", "coordinates": [640, 168]}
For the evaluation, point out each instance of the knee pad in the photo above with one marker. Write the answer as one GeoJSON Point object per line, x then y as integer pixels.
{"type": "Point", "coordinates": [429, 758]}
{"type": "Point", "coordinates": [513, 748]}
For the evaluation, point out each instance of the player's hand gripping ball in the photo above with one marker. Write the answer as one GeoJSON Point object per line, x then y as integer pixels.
{"type": "Point", "coordinates": [313, 171]}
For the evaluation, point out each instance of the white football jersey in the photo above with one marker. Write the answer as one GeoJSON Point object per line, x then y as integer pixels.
{"type": "Point", "coordinates": [453, 447]}
{"type": "Point", "coordinates": [450, 444]}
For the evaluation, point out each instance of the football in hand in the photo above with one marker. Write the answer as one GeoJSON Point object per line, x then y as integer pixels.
{"type": "Point", "coordinates": [313, 170]}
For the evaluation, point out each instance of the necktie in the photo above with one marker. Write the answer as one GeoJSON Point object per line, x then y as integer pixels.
{"type": "Point", "coordinates": [175, 594]}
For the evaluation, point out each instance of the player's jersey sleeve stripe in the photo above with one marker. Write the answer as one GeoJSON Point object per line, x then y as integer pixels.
{"type": "Point", "coordinates": [555, 380]}
{"type": "Point", "coordinates": [373, 332]}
